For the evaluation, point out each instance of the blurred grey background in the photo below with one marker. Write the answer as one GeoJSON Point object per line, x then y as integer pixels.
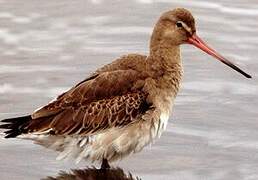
{"type": "Point", "coordinates": [48, 46]}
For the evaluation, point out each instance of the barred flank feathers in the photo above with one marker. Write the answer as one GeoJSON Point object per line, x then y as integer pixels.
{"type": "Point", "coordinates": [15, 126]}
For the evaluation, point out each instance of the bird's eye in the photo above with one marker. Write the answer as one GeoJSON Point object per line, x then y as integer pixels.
{"type": "Point", "coordinates": [179, 24]}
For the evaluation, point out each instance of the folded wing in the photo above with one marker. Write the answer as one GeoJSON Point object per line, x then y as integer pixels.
{"type": "Point", "coordinates": [101, 102]}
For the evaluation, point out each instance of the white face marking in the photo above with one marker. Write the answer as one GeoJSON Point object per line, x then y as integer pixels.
{"type": "Point", "coordinates": [187, 28]}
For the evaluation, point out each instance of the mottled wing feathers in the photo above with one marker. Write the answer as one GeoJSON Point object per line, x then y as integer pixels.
{"type": "Point", "coordinates": [88, 118]}
{"type": "Point", "coordinates": [103, 86]}
{"type": "Point", "coordinates": [110, 97]}
{"type": "Point", "coordinates": [104, 101]}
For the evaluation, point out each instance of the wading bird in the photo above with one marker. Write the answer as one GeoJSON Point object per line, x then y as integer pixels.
{"type": "Point", "coordinates": [121, 107]}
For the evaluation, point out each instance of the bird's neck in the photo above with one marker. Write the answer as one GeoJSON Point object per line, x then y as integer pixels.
{"type": "Point", "coordinates": [164, 59]}
{"type": "Point", "coordinates": [165, 67]}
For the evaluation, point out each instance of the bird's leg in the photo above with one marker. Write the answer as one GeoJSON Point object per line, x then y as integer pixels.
{"type": "Point", "coordinates": [105, 164]}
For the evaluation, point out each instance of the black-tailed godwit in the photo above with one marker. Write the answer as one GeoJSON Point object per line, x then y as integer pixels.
{"type": "Point", "coordinates": [123, 106]}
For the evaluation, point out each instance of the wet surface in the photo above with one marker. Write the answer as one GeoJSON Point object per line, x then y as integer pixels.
{"type": "Point", "coordinates": [212, 134]}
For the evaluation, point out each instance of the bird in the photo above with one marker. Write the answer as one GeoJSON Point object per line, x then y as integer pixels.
{"type": "Point", "coordinates": [122, 106]}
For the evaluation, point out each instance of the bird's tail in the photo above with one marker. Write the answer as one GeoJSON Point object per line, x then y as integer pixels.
{"type": "Point", "coordinates": [15, 126]}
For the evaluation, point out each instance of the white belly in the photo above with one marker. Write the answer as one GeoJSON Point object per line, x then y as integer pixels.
{"type": "Point", "coordinates": [112, 144]}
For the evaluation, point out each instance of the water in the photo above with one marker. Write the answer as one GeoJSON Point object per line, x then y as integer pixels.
{"type": "Point", "coordinates": [212, 134]}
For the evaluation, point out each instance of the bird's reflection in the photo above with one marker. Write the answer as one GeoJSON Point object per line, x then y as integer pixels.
{"type": "Point", "coordinates": [94, 174]}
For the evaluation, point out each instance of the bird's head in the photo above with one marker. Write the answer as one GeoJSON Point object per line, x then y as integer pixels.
{"type": "Point", "coordinates": [177, 27]}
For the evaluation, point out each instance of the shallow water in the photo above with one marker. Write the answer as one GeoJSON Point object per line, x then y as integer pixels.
{"type": "Point", "coordinates": [212, 134]}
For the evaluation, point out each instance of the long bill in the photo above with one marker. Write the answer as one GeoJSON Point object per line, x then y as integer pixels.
{"type": "Point", "coordinates": [198, 42]}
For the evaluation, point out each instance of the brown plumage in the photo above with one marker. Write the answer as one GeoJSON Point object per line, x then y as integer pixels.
{"type": "Point", "coordinates": [121, 107]}
{"type": "Point", "coordinates": [94, 174]}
